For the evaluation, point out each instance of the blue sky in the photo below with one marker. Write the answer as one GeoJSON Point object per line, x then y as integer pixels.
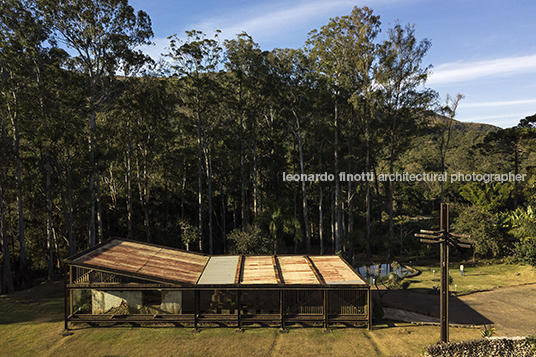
{"type": "Point", "coordinates": [483, 49]}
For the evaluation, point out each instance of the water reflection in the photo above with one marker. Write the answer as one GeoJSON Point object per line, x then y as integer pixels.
{"type": "Point", "coordinates": [376, 271]}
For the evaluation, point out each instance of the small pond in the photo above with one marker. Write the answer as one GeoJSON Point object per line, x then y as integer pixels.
{"type": "Point", "coordinates": [376, 271]}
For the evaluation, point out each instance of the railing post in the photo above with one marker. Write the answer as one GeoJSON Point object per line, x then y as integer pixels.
{"type": "Point", "coordinates": [239, 311]}
{"type": "Point", "coordinates": [325, 310]}
{"type": "Point", "coordinates": [196, 312]}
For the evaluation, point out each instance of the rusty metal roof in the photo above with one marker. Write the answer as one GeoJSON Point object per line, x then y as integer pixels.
{"type": "Point", "coordinates": [335, 270]}
{"type": "Point", "coordinates": [297, 270]}
{"type": "Point", "coordinates": [145, 260]}
{"type": "Point", "coordinates": [258, 270]}
{"type": "Point", "coordinates": [166, 264]}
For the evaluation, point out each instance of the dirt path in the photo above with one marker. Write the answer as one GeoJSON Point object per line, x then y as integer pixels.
{"type": "Point", "coordinates": [511, 310]}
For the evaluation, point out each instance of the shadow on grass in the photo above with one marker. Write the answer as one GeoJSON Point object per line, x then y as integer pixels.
{"type": "Point", "coordinates": [42, 303]}
{"type": "Point", "coordinates": [429, 304]}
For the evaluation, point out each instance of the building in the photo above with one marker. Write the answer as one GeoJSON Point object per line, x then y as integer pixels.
{"type": "Point", "coordinates": [129, 281]}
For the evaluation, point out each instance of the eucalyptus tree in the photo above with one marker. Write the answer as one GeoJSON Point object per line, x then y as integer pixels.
{"type": "Point", "coordinates": [22, 37]}
{"type": "Point", "coordinates": [296, 102]}
{"type": "Point", "coordinates": [104, 35]}
{"type": "Point", "coordinates": [195, 62]}
{"type": "Point", "coordinates": [246, 67]}
{"type": "Point", "coordinates": [404, 99]}
{"type": "Point", "coordinates": [344, 55]}
{"type": "Point", "coordinates": [6, 284]}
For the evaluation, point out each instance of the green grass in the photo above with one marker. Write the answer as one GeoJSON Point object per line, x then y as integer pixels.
{"type": "Point", "coordinates": [31, 324]}
{"type": "Point", "coordinates": [484, 275]}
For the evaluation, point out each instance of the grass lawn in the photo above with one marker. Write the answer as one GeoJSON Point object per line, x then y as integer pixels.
{"type": "Point", "coordinates": [31, 325]}
{"type": "Point", "coordinates": [483, 275]}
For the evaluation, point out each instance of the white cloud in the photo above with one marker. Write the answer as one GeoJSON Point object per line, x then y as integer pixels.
{"type": "Point", "coordinates": [467, 71]}
{"type": "Point", "coordinates": [270, 19]}
{"type": "Point", "coordinates": [500, 103]}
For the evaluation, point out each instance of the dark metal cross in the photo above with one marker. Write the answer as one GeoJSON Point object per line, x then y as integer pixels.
{"type": "Point", "coordinates": [444, 237]}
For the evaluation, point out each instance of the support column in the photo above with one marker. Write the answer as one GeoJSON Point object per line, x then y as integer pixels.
{"type": "Point", "coordinates": [369, 308]}
{"type": "Point", "coordinates": [239, 311]}
{"type": "Point", "coordinates": [325, 311]}
{"type": "Point", "coordinates": [197, 296]}
{"type": "Point", "coordinates": [282, 310]}
{"type": "Point", "coordinates": [444, 303]}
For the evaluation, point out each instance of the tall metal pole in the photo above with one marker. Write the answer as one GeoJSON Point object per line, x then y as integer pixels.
{"type": "Point", "coordinates": [444, 303]}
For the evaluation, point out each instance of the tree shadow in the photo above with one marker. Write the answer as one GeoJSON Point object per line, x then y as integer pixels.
{"type": "Point", "coordinates": [429, 305]}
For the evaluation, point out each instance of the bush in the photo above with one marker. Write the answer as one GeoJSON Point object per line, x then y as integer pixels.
{"type": "Point", "coordinates": [522, 224]}
{"type": "Point", "coordinates": [525, 251]}
{"type": "Point", "coordinates": [249, 240]}
{"type": "Point", "coordinates": [484, 227]}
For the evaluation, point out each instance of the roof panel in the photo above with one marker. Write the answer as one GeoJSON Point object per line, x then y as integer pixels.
{"type": "Point", "coordinates": [220, 270]}
{"type": "Point", "coordinates": [169, 264]}
{"type": "Point", "coordinates": [296, 270]}
{"type": "Point", "coordinates": [335, 271]}
{"type": "Point", "coordinates": [148, 260]}
{"type": "Point", "coordinates": [258, 270]}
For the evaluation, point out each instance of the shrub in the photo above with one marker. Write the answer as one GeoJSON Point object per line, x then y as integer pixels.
{"type": "Point", "coordinates": [249, 240]}
{"type": "Point", "coordinates": [484, 227]}
{"type": "Point", "coordinates": [525, 251]}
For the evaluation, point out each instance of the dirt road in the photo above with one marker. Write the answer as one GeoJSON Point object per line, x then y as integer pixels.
{"type": "Point", "coordinates": [511, 310]}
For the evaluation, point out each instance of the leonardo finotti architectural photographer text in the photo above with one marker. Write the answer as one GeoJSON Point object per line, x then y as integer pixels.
{"type": "Point", "coordinates": [407, 177]}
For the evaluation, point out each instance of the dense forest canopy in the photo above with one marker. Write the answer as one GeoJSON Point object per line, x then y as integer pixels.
{"type": "Point", "coordinates": [199, 150]}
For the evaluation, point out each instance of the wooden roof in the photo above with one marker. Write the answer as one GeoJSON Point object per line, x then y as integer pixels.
{"type": "Point", "coordinates": [158, 263]}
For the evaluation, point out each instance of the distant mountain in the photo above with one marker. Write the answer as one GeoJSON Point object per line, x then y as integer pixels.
{"type": "Point", "coordinates": [463, 126]}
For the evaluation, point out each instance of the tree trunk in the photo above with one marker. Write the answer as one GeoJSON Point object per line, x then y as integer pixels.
{"type": "Point", "coordinates": [223, 234]}
{"type": "Point", "coordinates": [70, 221]}
{"type": "Point", "coordinates": [208, 167]}
{"type": "Point", "coordinates": [332, 223]}
{"type": "Point", "coordinates": [200, 172]}
{"type": "Point", "coordinates": [338, 211]}
{"type": "Point", "coordinates": [130, 213]}
{"type": "Point", "coordinates": [321, 224]}
{"type": "Point", "coordinates": [143, 190]}
{"type": "Point", "coordinates": [99, 211]}
{"type": "Point", "coordinates": [255, 175]}
{"type": "Point", "coordinates": [48, 186]}
{"type": "Point", "coordinates": [7, 286]}
{"type": "Point", "coordinates": [304, 190]}
{"type": "Point", "coordinates": [25, 279]}
{"type": "Point", "coordinates": [367, 196]}
{"type": "Point", "coordinates": [242, 174]}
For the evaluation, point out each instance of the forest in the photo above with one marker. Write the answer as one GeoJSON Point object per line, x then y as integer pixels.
{"type": "Point", "coordinates": [98, 140]}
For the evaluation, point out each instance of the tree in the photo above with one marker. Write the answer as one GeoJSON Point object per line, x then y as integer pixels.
{"type": "Point", "coordinates": [343, 53]}
{"type": "Point", "coordinates": [401, 78]}
{"type": "Point", "coordinates": [21, 40]}
{"type": "Point", "coordinates": [104, 34]}
{"type": "Point", "coordinates": [489, 197]}
{"type": "Point", "coordinates": [295, 101]}
{"type": "Point", "coordinates": [194, 62]}
{"type": "Point", "coordinates": [249, 240]}
{"type": "Point", "coordinates": [511, 142]}
{"type": "Point", "coordinates": [6, 285]}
